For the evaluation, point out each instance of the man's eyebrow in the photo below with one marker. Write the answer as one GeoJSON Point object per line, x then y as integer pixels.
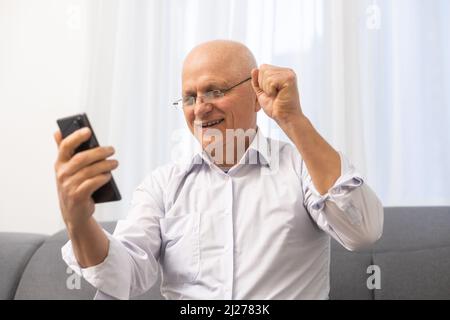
{"type": "Point", "coordinates": [217, 83]}
{"type": "Point", "coordinates": [188, 93]}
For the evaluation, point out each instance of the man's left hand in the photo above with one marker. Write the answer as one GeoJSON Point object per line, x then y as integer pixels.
{"type": "Point", "coordinates": [277, 92]}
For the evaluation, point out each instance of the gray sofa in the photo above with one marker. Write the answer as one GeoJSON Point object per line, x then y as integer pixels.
{"type": "Point", "coordinates": [413, 257]}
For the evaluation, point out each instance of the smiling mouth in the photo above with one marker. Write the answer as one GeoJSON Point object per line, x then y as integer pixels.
{"type": "Point", "coordinates": [210, 124]}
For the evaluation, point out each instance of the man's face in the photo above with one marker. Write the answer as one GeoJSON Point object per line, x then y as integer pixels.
{"type": "Point", "coordinates": [235, 110]}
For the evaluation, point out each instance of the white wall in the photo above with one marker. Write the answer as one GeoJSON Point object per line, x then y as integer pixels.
{"type": "Point", "coordinates": [42, 45]}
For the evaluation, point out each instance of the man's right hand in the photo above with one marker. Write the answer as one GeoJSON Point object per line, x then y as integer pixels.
{"type": "Point", "coordinates": [79, 175]}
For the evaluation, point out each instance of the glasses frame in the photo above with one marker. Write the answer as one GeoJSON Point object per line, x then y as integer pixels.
{"type": "Point", "coordinates": [212, 93]}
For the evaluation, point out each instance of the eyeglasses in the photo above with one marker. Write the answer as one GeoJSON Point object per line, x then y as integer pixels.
{"type": "Point", "coordinates": [209, 96]}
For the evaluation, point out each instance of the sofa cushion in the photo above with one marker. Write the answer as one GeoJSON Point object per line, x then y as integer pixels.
{"type": "Point", "coordinates": [414, 254]}
{"type": "Point", "coordinates": [48, 277]}
{"type": "Point", "coordinates": [16, 250]}
{"type": "Point", "coordinates": [414, 274]}
{"type": "Point", "coordinates": [348, 275]}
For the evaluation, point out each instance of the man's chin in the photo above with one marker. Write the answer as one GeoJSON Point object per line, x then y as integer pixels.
{"type": "Point", "coordinates": [207, 136]}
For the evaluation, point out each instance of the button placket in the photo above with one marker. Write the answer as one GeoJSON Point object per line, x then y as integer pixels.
{"type": "Point", "coordinates": [229, 245]}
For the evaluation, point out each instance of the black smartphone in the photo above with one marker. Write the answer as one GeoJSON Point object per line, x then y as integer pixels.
{"type": "Point", "coordinates": [108, 192]}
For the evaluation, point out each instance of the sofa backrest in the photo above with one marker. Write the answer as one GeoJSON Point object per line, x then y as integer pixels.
{"type": "Point", "coordinates": [413, 257]}
{"type": "Point", "coordinates": [16, 249]}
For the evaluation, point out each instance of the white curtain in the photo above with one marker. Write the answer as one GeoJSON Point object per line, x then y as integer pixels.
{"type": "Point", "coordinates": [374, 78]}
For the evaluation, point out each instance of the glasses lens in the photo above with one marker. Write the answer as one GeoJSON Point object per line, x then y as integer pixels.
{"type": "Point", "coordinates": [211, 95]}
{"type": "Point", "coordinates": [188, 101]}
{"type": "Point", "coordinates": [208, 97]}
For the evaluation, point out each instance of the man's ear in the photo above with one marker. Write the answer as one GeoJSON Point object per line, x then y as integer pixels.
{"type": "Point", "coordinates": [257, 105]}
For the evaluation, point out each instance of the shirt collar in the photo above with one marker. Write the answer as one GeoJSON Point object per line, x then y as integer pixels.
{"type": "Point", "coordinates": [258, 152]}
{"type": "Point", "coordinates": [259, 148]}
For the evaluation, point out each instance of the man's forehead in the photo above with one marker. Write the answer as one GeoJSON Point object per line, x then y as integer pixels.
{"type": "Point", "coordinates": [216, 62]}
{"type": "Point", "coordinates": [208, 68]}
{"type": "Point", "coordinates": [191, 83]}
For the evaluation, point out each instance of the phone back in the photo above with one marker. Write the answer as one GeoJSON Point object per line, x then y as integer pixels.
{"type": "Point", "coordinates": [108, 192]}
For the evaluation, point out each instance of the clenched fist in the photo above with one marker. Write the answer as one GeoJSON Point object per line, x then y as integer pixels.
{"type": "Point", "coordinates": [277, 92]}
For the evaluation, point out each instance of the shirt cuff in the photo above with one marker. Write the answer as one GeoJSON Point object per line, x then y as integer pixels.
{"type": "Point", "coordinates": [110, 276]}
{"type": "Point", "coordinates": [340, 192]}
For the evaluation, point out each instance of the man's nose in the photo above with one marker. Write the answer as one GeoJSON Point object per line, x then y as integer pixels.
{"type": "Point", "coordinates": [201, 109]}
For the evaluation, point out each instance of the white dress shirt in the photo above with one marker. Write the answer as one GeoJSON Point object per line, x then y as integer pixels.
{"type": "Point", "coordinates": [259, 231]}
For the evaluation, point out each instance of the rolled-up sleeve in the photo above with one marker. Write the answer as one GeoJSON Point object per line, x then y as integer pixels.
{"type": "Point", "coordinates": [350, 211]}
{"type": "Point", "coordinates": [131, 266]}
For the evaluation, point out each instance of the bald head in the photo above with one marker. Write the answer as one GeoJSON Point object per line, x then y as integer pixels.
{"type": "Point", "coordinates": [218, 66]}
{"type": "Point", "coordinates": [227, 58]}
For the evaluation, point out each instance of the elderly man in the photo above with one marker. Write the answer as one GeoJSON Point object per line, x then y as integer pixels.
{"type": "Point", "coordinates": [256, 226]}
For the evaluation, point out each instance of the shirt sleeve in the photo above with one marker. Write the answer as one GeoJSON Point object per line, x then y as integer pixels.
{"type": "Point", "coordinates": [350, 211]}
{"type": "Point", "coordinates": [131, 266]}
